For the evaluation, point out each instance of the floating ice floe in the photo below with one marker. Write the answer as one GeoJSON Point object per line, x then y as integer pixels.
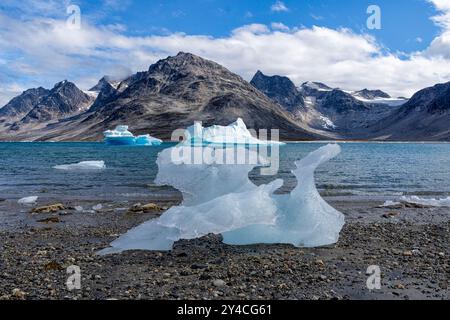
{"type": "Point", "coordinates": [121, 136]}
{"type": "Point", "coordinates": [233, 134]}
{"type": "Point", "coordinates": [220, 199]}
{"type": "Point", "coordinates": [28, 200]}
{"type": "Point", "coordinates": [83, 165]}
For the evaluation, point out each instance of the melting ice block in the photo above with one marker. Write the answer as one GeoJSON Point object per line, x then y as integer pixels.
{"type": "Point", "coordinates": [221, 199]}
{"type": "Point", "coordinates": [233, 134]}
{"type": "Point", "coordinates": [121, 136]}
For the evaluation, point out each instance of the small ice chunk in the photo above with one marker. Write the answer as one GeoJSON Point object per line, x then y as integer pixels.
{"type": "Point", "coordinates": [97, 207]}
{"type": "Point", "coordinates": [445, 202]}
{"type": "Point", "coordinates": [28, 200]}
{"type": "Point", "coordinates": [79, 208]}
{"type": "Point", "coordinates": [390, 203]}
{"type": "Point", "coordinates": [83, 165]}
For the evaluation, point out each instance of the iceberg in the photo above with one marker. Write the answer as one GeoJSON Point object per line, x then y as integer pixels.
{"type": "Point", "coordinates": [221, 199]}
{"type": "Point", "coordinates": [83, 165]}
{"type": "Point", "coordinates": [121, 136]}
{"type": "Point", "coordinates": [234, 134]}
{"type": "Point", "coordinates": [303, 218]}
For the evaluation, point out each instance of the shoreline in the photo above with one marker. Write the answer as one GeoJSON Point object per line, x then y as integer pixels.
{"type": "Point", "coordinates": [410, 245]}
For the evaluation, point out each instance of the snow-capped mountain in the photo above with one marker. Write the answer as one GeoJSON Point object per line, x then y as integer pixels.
{"type": "Point", "coordinates": [379, 97]}
{"type": "Point", "coordinates": [322, 107]}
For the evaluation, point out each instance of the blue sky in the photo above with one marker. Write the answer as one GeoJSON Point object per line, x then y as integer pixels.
{"type": "Point", "coordinates": [318, 40]}
{"type": "Point", "coordinates": [403, 21]}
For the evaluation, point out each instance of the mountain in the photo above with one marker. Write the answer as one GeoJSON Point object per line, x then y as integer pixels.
{"type": "Point", "coordinates": [22, 104]}
{"type": "Point", "coordinates": [176, 91]}
{"type": "Point", "coordinates": [312, 88]}
{"type": "Point", "coordinates": [64, 100]}
{"type": "Point", "coordinates": [280, 89]}
{"type": "Point", "coordinates": [426, 116]}
{"type": "Point", "coordinates": [105, 83]}
{"type": "Point", "coordinates": [333, 112]}
{"type": "Point", "coordinates": [340, 112]}
{"type": "Point", "coordinates": [172, 94]}
{"type": "Point", "coordinates": [106, 90]}
{"type": "Point", "coordinates": [371, 94]}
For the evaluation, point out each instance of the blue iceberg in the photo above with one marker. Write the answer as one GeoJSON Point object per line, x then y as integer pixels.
{"type": "Point", "coordinates": [121, 136]}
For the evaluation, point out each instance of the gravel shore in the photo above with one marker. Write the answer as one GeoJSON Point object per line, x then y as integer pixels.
{"type": "Point", "coordinates": [410, 245]}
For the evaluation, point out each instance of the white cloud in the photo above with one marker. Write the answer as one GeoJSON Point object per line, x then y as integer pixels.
{"type": "Point", "coordinates": [45, 51]}
{"type": "Point", "coordinates": [279, 6]}
{"type": "Point", "coordinates": [8, 91]}
{"type": "Point", "coordinates": [440, 46]}
{"type": "Point", "coordinates": [279, 26]}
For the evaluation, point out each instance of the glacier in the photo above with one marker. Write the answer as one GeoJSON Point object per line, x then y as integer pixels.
{"type": "Point", "coordinates": [234, 134]}
{"type": "Point", "coordinates": [221, 199]}
{"type": "Point", "coordinates": [83, 165]}
{"type": "Point", "coordinates": [121, 136]}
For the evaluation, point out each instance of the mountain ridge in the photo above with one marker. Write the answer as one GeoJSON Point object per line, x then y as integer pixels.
{"type": "Point", "coordinates": [176, 91]}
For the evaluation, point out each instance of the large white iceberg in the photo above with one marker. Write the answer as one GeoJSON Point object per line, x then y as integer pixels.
{"type": "Point", "coordinates": [234, 134]}
{"type": "Point", "coordinates": [221, 199]}
{"type": "Point", "coordinates": [121, 136]}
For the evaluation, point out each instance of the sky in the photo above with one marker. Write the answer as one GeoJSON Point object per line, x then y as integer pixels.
{"type": "Point", "coordinates": [42, 43]}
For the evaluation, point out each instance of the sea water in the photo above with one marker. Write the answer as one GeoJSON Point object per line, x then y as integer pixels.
{"type": "Point", "coordinates": [362, 169]}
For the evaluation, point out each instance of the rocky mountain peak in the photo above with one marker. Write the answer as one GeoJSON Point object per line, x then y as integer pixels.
{"type": "Point", "coordinates": [105, 82]}
{"type": "Point", "coordinates": [372, 94]}
{"type": "Point", "coordinates": [22, 104]}
{"type": "Point", "coordinates": [316, 86]}
{"type": "Point", "coordinates": [280, 89]}
{"type": "Point", "coordinates": [187, 63]}
{"type": "Point", "coordinates": [63, 100]}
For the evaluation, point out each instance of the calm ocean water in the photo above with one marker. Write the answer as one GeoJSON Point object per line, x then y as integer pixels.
{"type": "Point", "coordinates": [387, 169]}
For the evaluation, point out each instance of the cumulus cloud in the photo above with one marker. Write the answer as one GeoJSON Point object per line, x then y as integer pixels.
{"type": "Point", "coordinates": [440, 46]}
{"type": "Point", "coordinates": [42, 51]}
{"type": "Point", "coordinates": [279, 26]}
{"type": "Point", "coordinates": [279, 6]}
